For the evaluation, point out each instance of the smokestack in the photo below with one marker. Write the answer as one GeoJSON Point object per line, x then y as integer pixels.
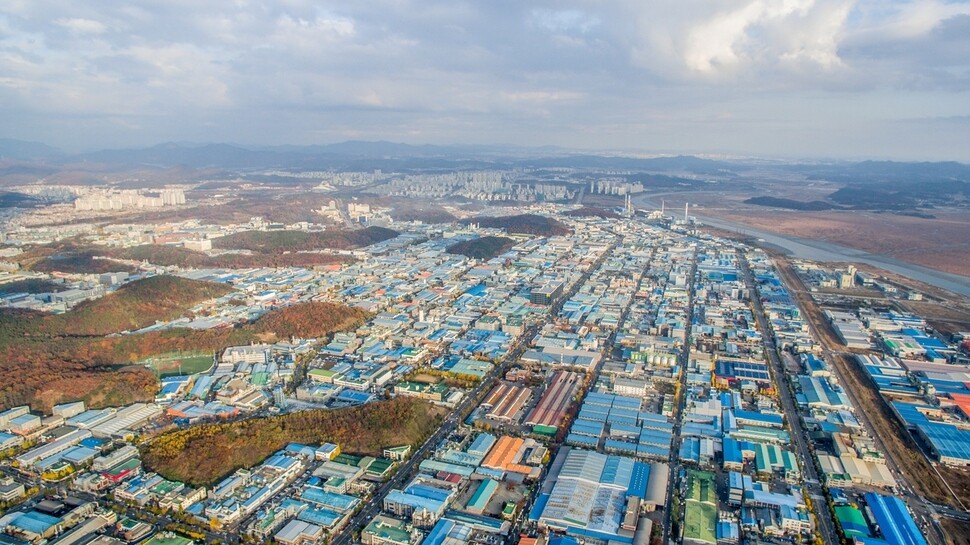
{"type": "Point", "coordinates": [686, 208]}
{"type": "Point", "coordinates": [662, 204]}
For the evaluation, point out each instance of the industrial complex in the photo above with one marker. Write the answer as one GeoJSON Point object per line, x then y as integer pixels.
{"type": "Point", "coordinates": [634, 381]}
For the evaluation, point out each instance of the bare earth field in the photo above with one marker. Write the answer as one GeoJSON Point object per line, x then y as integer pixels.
{"type": "Point", "coordinates": [942, 243]}
{"type": "Point", "coordinates": [957, 533]}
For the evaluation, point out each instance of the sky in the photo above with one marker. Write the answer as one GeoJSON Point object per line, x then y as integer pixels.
{"type": "Point", "coordinates": [765, 78]}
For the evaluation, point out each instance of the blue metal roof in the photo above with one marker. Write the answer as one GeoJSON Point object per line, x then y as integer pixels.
{"type": "Point", "coordinates": [429, 492]}
{"type": "Point", "coordinates": [439, 532]}
{"type": "Point", "coordinates": [894, 519]}
{"type": "Point", "coordinates": [582, 440]}
{"type": "Point", "coordinates": [539, 507]}
{"type": "Point", "coordinates": [639, 480]}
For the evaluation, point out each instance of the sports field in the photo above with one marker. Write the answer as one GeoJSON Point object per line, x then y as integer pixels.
{"type": "Point", "coordinates": [174, 363]}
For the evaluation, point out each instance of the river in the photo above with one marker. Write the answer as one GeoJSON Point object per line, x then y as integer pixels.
{"type": "Point", "coordinates": [820, 250]}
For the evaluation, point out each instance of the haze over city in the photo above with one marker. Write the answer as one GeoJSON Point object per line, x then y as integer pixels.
{"type": "Point", "coordinates": [796, 78]}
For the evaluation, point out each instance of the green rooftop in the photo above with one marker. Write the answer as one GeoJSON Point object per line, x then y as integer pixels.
{"type": "Point", "coordinates": [379, 466]}
{"type": "Point", "coordinates": [164, 487]}
{"type": "Point", "coordinates": [544, 430]}
{"type": "Point", "coordinates": [701, 487]}
{"type": "Point", "coordinates": [118, 470]}
{"type": "Point", "coordinates": [852, 522]}
{"type": "Point", "coordinates": [168, 539]}
{"type": "Point", "coordinates": [411, 386]}
{"type": "Point", "coordinates": [348, 459]}
{"type": "Point", "coordinates": [700, 517]}
{"type": "Point", "coordinates": [389, 530]}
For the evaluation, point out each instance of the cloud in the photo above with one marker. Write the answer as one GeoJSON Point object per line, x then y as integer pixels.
{"type": "Point", "coordinates": [307, 34]}
{"type": "Point", "coordinates": [81, 25]}
{"type": "Point", "coordinates": [571, 20]}
{"type": "Point", "coordinates": [558, 72]}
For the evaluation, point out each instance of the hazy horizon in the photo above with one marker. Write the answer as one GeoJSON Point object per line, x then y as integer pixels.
{"type": "Point", "coordinates": [819, 79]}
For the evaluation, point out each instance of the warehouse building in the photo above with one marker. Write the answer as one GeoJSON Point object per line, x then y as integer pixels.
{"type": "Point", "coordinates": [949, 443]}
{"type": "Point", "coordinates": [483, 494]}
{"type": "Point", "coordinates": [61, 444]}
{"type": "Point", "coordinates": [549, 413]}
{"type": "Point", "coordinates": [505, 401]}
{"type": "Point", "coordinates": [10, 414]}
{"type": "Point", "coordinates": [297, 532]}
{"type": "Point", "coordinates": [700, 515]}
{"type": "Point", "coordinates": [894, 519]}
{"type": "Point", "coordinates": [586, 494]}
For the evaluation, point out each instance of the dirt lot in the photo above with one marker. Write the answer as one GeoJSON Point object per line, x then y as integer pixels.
{"type": "Point", "coordinates": [947, 318]}
{"type": "Point", "coordinates": [957, 533]}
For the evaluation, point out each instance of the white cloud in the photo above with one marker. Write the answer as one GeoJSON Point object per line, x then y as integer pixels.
{"type": "Point", "coordinates": [302, 33]}
{"type": "Point", "coordinates": [763, 31]}
{"type": "Point", "coordinates": [570, 20]}
{"type": "Point", "coordinates": [539, 72]}
{"type": "Point", "coordinates": [907, 19]}
{"type": "Point", "coordinates": [81, 25]}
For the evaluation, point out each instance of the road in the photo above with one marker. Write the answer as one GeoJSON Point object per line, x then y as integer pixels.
{"type": "Point", "coordinates": [924, 512]}
{"type": "Point", "coordinates": [826, 526]}
{"type": "Point", "coordinates": [408, 469]}
{"type": "Point", "coordinates": [674, 460]}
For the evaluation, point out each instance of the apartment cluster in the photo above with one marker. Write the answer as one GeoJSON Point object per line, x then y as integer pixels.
{"type": "Point", "coordinates": [481, 185]}
{"type": "Point", "coordinates": [121, 199]}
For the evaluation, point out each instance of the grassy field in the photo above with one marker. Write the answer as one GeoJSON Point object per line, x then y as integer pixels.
{"type": "Point", "coordinates": [175, 363]}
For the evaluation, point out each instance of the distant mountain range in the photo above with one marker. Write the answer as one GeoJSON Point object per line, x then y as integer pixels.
{"type": "Point", "coordinates": [21, 150]}
{"type": "Point", "coordinates": [234, 156]}
{"type": "Point", "coordinates": [30, 157]}
{"type": "Point", "coordinates": [354, 155]}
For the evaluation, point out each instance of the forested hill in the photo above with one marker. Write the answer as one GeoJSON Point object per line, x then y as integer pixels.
{"type": "Point", "coordinates": [301, 241]}
{"type": "Point", "coordinates": [133, 306]}
{"type": "Point", "coordinates": [524, 224]}
{"type": "Point", "coordinates": [202, 455]}
{"type": "Point", "coordinates": [485, 247]}
{"type": "Point", "coordinates": [92, 368]}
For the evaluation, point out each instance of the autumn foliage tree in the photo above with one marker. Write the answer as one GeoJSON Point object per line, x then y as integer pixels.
{"type": "Point", "coordinates": [202, 455]}
{"type": "Point", "coordinates": [56, 358]}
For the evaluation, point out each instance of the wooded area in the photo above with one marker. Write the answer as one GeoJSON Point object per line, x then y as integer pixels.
{"type": "Point", "coordinates": [525, 224]}
{"type": "Point", "coordinates": [202, 455]}
{"type": "Point", "coordinates": [52, 359]}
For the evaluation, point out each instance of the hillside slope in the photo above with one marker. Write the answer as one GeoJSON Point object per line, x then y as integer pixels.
{"type": "Point", "coordinates": [138, 304]}
{"type": "Point", "coordinates": [54, 369]}
{"type": "Point", "coordinates": [485, 247]}
{"type": "Point", "coordinates": [264, 242]}
{"type": "Point", "coordinates": [523, 224]}
{"type": "Point", "coordinates": [202, 455]}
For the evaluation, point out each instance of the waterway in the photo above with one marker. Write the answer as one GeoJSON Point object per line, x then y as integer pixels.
{"type": "Point", "coordinates": [820, 250]}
